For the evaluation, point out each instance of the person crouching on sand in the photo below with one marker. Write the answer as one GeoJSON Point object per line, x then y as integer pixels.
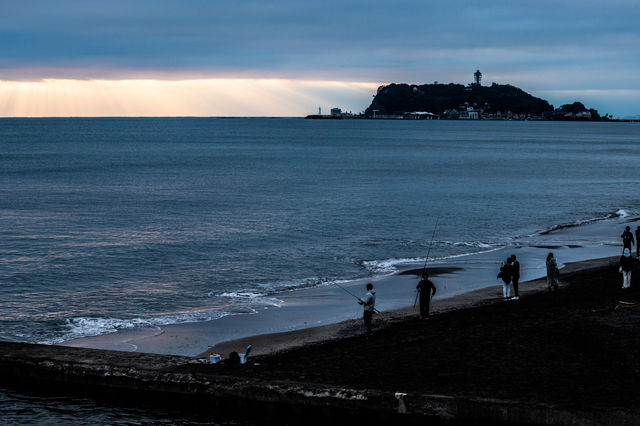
{"type": "Point", "coordinates": [369, 306]}
{"type": "Point", "coordinates": [427, 290]}
{"type": "Point", "coordinates": [552, 272]}
{"type": "Point", "coordinates": [626, 266]}
{"type": "Point", "coordinates": [505, 274]}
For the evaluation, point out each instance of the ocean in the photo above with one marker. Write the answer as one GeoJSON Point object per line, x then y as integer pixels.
{"type": "Point", "coordinates": [110, 224]}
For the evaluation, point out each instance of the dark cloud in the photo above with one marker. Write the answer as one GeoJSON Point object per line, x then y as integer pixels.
{"type": "Point", "coordinates": [299, 36]}
{"type": "Point", "coordinates": [549, 46]}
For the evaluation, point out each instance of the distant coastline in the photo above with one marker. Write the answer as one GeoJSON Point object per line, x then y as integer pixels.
{"type": "Point", "coordinates": [471, 102]}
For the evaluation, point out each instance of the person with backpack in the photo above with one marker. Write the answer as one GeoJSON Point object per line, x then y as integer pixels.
{"type": "Point", "coordinates": [505, 273]}
{"type": "Point", "coordinates": [515, 276]}
{"type": "Point", "coordinates": [369, 306]}
{"type": "Point", "coordinates": [627, 264]}
{"type": "Point", "coordinates": [426, 290]}
{"type": "Point", "coordinates": [627, 239]}
{"type": "Point", "coordinates": [552, 272]}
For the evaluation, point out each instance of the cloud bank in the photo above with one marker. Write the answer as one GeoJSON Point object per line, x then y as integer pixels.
{"type": "Point", "coordinates": [554, 47]}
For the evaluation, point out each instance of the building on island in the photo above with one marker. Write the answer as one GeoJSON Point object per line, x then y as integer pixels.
{"type": "Point", "coordinates": [477, 77]}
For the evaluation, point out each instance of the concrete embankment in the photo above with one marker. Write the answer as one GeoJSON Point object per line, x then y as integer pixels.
{"type": "Point", "coordinates": [188, 384]}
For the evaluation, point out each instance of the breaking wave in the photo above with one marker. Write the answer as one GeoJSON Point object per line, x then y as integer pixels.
{"type": "Point", "coordinates": [618, 214]}
{"type": "Point", "coordinates": [80, 327]}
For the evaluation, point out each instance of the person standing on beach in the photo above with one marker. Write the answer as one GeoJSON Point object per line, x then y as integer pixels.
{"type": "Point", "coordinates": [506, 271]}
{"type": "Point", "coordinates": [426, 290]}
{"type": "Point", "coordinates": [369, 306]}
{"type": "Point", "coordinates": [552, 272]}
{"type": "Point", "coordinates": [515, 276]}
{"type": "Point", "coordinates": [637, 242]}
{"type": "Point", "coordinates": [626, 266]}
{"type": "Point", "coordinates": [627, 239]}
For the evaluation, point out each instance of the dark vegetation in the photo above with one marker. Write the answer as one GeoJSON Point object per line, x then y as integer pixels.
{"type": "Point", "coordinates": [452, 101]}
{"type": "Point", "coordinates": [436, 98]}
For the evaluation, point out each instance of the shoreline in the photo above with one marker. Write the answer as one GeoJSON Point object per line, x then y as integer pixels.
{"type": "Point", "coordinates": [459, 366]}
{"type": "Point", "coordinates": [321, 307]}
{"type": "Point", "coordinates": [273, 343]}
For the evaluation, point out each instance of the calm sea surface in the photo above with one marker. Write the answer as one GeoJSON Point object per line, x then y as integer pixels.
{"type": "Point", "coordinates": [108, 224]}
{"type": "Point", "coordinates": [113, 223]}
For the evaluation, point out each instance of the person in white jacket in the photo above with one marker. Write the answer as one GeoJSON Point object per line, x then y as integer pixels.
{"type": "Point", "coordinates": [369, 306]}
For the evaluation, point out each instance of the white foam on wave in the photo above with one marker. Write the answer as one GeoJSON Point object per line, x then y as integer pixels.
{"type": "Point", "coordinates": [79, 327]}
{"type": "Point", "coordinates": [623, 213]}
{"type": "Point", "coordinates": [251, 298]}
{"type": "Point", "coordinates": [472, 244]}
{"type": "Point", "coordinates": [389, 266]}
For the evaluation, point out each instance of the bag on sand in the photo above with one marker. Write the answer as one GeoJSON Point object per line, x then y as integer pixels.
{"type": "Point", "coordinates": [233, 360]}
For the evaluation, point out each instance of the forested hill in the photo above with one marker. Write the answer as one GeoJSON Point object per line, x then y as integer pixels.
{"type": "Point", "coordinates": [437, 98]}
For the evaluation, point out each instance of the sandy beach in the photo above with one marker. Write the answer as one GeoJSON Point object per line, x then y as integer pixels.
{"type": "Point", "coordinates": [315, 314]}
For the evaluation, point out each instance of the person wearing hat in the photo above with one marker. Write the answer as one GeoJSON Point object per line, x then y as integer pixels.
{"type": "Point", "coordinates": [627, 239]}
{"type": "Point", "coordinates": [626, 266]}
{"type": "Point", "coordinates": [427, 290]}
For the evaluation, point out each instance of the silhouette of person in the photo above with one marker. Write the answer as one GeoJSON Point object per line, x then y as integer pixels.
{"type": "Point", "coordinates": [515, 276]}
{"type": "Point", "coordinates": [426, 290]}
{"type": "Point", "coordinates": [627, 239]}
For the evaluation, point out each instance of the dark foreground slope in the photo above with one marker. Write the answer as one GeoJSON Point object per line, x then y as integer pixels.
{"type": "Point", "coordinates": [575, 347]}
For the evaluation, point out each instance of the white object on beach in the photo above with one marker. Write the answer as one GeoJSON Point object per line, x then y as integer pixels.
{"type": "Point", "coordinates": [244, 356]}
{"type": "Point", "coordinates": [214, 358]}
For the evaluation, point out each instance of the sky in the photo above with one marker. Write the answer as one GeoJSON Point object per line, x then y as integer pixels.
{"type": "Point", "coordinates": [287, 58]}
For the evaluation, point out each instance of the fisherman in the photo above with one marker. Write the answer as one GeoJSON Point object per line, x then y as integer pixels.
{"type": "Point", "coordinates": [637, 242]}
{"type": "Point", "coordinates": [552, 272]}
{"type": "Point", "coordinates": [426, 290]}
{"type": "Point", "coordinates": [515, 276]}
{"type": "Point", "coordinates": [627, 239]}
{"type": "Point", "coordinates": [627, 264]}
{"type": "Point", "coordinates": [369, 306]}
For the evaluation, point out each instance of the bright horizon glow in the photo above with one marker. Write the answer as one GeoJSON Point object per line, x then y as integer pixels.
{"type": "Point", "coordinates": [166, 98]}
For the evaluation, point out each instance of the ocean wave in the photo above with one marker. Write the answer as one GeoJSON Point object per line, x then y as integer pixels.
{"type": "Point", "coordinates": [472, 244]}
{"type": "Point", "coordinates": [80, 327]}
{"type": "Point", "coordinates": [581, 222]}
{"type": "Point", "coordinates": [390, 266]}
{"type": "Point", "coordinates": [252, 298]}
{"type": "Point", "coordinates": [623, 213]}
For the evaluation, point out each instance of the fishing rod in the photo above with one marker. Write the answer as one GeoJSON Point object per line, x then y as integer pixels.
{"type": "Point", "coordinates": [424, 268]}
{"type": "Point", "coordinates": [353, 295]}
